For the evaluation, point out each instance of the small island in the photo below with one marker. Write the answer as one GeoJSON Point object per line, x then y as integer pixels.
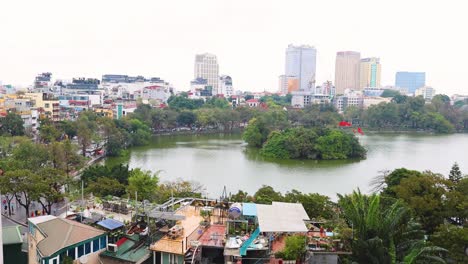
{"type": "Point", "coordinates": [303, 143]}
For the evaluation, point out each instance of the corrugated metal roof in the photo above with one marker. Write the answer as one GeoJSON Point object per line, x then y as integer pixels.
{"type": "Point", "coordinates": [11, 235]}
{"type": "Point", "coordinates": [61, 233]}
{"type": "Point", "coordinates": [110, 224]}
{"type": "Point", "coordinates": [282, 217]}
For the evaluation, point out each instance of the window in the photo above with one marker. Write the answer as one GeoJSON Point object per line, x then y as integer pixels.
{"type": "Point", "coordinates": [103, 243]}
{"type": "Point", "coordinates": [71, 253]}
{"type": "Point", "coordinates": [47, 105]}
{"type": "Point", "coordinates": [80, 250]}
{"type": "Point", "coordinates": [54, 261]}
{"type": "Point", "coordinates": [87, 248]}
{"type": "Point", "coordinates": [173, 259]}
{"type": "Point", "coordinates": [96, 245]}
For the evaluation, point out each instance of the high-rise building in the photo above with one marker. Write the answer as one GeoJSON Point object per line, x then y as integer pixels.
{"type": "Point", "coordinates": [370, 72]}
{"type": "Point", "coordinates": [347, 68]}
{"type": "Point", "coordinates": [206, 67]}
{"type": "Point", "coordinates": [411, 81]}
{"type": "Point", "coordinates": [301, 63]}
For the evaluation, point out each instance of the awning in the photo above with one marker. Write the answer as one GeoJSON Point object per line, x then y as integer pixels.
{"type": "Point", "coordinates": [110, 224]}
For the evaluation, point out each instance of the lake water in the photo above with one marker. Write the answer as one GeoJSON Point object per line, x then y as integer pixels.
{"type": "Point", "coordinates": [224, 160]}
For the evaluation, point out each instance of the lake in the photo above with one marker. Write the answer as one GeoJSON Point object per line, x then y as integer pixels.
{"type": "Point", "coordinates": [224, 160]}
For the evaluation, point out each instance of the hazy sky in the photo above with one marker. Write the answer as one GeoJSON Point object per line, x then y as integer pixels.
{"type": "Point", "coordinates": [160, 38]}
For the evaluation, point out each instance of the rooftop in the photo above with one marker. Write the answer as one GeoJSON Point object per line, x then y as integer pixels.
{"type": "Point", "coordinates": [130, 249]}
{"type": "Point", "coordinates": [213, 236]}
{"type": "Point", "coordinates": [60, 233]}
{"type": "Point", "coordinates": [190, 224]}
{"type": "Point", "coordinates": [11, 235]}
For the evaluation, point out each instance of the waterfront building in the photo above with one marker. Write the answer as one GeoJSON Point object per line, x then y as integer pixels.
{"type": "Point", "coordinates": [426, 92]}
{"type": "Point", "coordinates": [347, 71]}
{"type": "Point", "coordinates": [410, 80]}
{"type": "Point", "coordinates": [370, 73]}
{"type": "Point", "coordinates": [206, 67]}
{"type": "Point", "coordinates": [301, 64]}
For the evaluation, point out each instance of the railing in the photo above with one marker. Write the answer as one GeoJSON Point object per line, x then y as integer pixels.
{"type": "Point", "coordinates": [246, 244]}
{"type": "Point", "coordinates": [194, 236]}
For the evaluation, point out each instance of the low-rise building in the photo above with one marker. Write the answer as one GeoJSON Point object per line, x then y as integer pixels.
{"type": "Point", "coordinates": [12, 245]}
{"type": "Point", "coordinates": [374, 100]}
{"type": "Point", "coordinates": [53, 239]}
{"type": "Point", "coordinates": [426, 92]}
{"type": "Point", "coordinates": [350, 98]}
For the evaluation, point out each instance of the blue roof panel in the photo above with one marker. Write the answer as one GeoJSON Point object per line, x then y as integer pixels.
{"type": "Point", "coordinates": [110, 224]}
{"type": "Point", "coordinates": [249, 209]}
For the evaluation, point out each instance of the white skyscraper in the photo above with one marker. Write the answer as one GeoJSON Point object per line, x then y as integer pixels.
{"type": "Point", "coordinates": [301, 63]}
{"type": "Point", "coordinates": [206, 67]}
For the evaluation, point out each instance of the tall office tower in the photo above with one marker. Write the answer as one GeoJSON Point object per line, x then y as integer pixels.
{"type": "Point", "coordinates": [206, 67]}
{"type": "Point", "coordinates": [347, 68]}
{"type": "Point", "coordinates": [301, 63]}
{"type": "Point", "coordinates": [370, 72]}
{"type": "Point", "coordinates": [410, 81]}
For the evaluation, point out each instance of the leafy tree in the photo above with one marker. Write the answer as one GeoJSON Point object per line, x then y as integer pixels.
{"type": "Point", "coordinates": [186, 118]}
{"type": "Point", "coordinates": [295, 247]}
{"type": "Point", "coordinates": [267, 195]}
{"type": "Point", "coordinates": [248, 97]}
{"type": "Point", "coordinates": [179, 188]}
{"type": "Point", "coordinates": [256, 133]}
{"type": "Point", "coordinates": [316, 205]}
{"type": "Point", "coordinates": [390, 93]}
{"type": "Point", "coordinates": [183, 102]}
{"type": "Point", "coordinates": [24, 185]}
{"type": "Point", "coordinates": [142, 183]}
{"type": "Point", "coordinates": [241, 196]}
{"type": "Point", "coordinates": [216, 102]}
{"type": "Point", "coordinates": [12, 125]}
{"type": "Point", "coordinates": [425, 195]}
{"type": "Point", "coordinates": [49, 133]}
{"type": "Point", "coordinates": [393, 179]}
{"type": "Point", "coordinates": [339, 145]}
{"type": "Point", "coordinates": [85, 134]}
{"type": "Point", "coordinates": [50, 182]}
{"type": "Point", "coordinates": [105, 186]}
{"type": "Point", "coordinates": [454, 239]}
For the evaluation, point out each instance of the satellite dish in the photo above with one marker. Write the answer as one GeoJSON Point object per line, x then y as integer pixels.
{"type": "Point", "coordinates": [235, 210]}
{"type": "Point", "coordinates": [84, 259]}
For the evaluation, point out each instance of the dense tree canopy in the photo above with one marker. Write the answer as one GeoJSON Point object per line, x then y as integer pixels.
{"type": "Point", "coordinates": [11, 125]}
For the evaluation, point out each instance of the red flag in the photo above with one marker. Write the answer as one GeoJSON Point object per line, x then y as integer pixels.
{"type": "Point", "coordinates": [359, 130]}
{"type": "Point", "coordinates": [344, 124]}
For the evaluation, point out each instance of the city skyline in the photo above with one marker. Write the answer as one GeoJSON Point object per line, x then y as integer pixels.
{"type": "Point", "coordinates": [245, 37]}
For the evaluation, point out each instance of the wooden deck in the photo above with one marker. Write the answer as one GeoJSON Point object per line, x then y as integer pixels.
{"type": "Point", "coordinates": [179, 245]}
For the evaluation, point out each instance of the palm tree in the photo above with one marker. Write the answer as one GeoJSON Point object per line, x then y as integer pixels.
{"type": "Point", "coordinates": [384, 234]}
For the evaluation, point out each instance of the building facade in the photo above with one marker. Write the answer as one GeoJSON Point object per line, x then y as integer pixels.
{"type": "Point", "coordinates": [347, 69]}
{"type": "Point", "coordinates": [426, 92]}
{"type": "Point", "coordinates": [301, 63]}
{"type": "Point", "coordinates": [225, 86]}
{"type": "Point", "coordinates": [370, 72]}
{"type": "Point", "coordinates": [411, 81]}
{"type": "Point", "coordinates": [206, 67]}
